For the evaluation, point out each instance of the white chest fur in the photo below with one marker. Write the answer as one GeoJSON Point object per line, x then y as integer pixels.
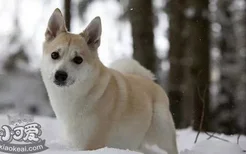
{"type": "Point", "coordinates": [70, 109]}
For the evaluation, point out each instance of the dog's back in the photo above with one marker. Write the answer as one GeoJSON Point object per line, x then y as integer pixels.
{"type": "Point", "coordinates": [131, 66]}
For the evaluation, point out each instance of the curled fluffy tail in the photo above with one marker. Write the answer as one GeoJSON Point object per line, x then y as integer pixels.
{"type": "Point", "coordinates": [131, 66]}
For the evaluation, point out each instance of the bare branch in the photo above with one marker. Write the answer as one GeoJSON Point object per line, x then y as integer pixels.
{"type": "Point", "coordinates": [203, 112]}
{"type": "Point", "coordinates": [238, 138]}
{"type": "Point", "coordinates": [213, 136]}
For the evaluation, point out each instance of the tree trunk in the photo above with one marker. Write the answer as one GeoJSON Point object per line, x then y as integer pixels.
{"type": "Point", "coordinates": [67, 14]}
{"type": "Point", "coordinates": [178, 67]}
{"type": "Point", "coordinates": [223, 122]}
{"type": "Point", "coordinates": [198, 47]}
{"type": "Point", "coordinates": [240, 30]}
{"type": "Point", "coordinates": [141, 19]}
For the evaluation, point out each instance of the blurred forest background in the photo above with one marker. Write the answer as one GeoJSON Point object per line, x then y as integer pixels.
{"type": "Point", "coordinates": [197, 49]}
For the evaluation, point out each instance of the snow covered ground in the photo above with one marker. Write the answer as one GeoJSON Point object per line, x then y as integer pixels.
{"type": "Point", "coordinates": [185, 138]}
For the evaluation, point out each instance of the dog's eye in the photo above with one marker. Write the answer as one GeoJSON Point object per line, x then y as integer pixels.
{"type": "Point", "coordinates": [77, 60]}
{"type": "Point", "coordinates": [54, 55]}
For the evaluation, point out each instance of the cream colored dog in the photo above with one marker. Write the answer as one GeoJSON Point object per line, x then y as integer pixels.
{"type": "Point", "coordinates": [118, 107]}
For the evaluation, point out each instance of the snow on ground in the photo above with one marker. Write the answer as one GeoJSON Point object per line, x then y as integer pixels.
{"type": "Point", "coordinates": [186, 144]}
{"type": "Point", "coordinates": [185, 139]}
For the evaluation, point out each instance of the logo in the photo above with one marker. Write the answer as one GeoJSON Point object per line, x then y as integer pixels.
{"type": "Point", "coordinates": [22, 135]}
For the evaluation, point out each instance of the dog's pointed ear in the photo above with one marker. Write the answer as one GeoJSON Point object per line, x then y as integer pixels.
{"type": "Point", "coordinates": [56, 25]}
{"type": "Point", "coordinates": [92, 33]}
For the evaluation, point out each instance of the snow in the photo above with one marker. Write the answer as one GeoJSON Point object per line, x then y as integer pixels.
{"type": "Point", "coordinates": [186, 144]}
{"type": "Point", "coordinates": [185, 139]}
{"type": "Point", "coordinates": [99, 151]}
{"type": "Point", "coordinates": [228, 148]}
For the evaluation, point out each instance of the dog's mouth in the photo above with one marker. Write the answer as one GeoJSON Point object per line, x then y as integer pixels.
{"type": "Point", "coordinates": [64, 83]}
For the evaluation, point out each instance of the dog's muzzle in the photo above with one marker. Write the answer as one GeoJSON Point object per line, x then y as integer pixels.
{"type": "Point", "coordinates": [60, 78]}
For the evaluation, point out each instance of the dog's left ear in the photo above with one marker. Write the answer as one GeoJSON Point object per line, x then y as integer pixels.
{"type": "Point", "coordinates": [92, 33]}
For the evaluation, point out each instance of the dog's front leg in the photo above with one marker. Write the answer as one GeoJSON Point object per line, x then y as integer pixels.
{"type": "Point", "coordinates": [98, 139]}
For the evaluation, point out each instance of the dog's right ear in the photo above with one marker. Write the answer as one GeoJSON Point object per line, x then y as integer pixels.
{"type": "Point", "coordinates": [92, 33]}
{"type": "Point", "coordinates": [56, 25]}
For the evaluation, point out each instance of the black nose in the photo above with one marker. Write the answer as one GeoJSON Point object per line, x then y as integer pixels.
{"type": "Point", "coordinates": [61, 76]}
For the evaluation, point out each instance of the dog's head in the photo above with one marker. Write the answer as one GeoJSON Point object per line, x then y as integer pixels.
{"type": "Point", "coordinates": [69, 58]}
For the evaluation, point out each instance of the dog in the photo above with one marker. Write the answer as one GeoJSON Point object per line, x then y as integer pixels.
{"type": "Point", "coordinates": [118, 106]}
